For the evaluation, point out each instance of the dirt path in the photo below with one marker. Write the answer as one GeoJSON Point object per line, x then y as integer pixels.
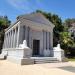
{"type": "Point", "coordinates": [8, 68]}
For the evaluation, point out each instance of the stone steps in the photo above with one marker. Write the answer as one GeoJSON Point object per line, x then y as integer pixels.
{"type": "Point", "coordinates": [39, 60]}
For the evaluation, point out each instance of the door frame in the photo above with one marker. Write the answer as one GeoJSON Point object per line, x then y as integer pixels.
{"type": "Point", "coordinates": [38, 49]}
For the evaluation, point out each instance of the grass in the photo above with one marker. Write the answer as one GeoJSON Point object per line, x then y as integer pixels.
{"type": "Point", "coordinates": [71, 59]}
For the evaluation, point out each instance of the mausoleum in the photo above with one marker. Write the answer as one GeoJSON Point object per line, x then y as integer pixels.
{"type": "Point", "coordinates": [29, 37]}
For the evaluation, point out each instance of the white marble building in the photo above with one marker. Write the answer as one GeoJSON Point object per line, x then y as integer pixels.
{"type": "Point", "coordinates": [38, 33]}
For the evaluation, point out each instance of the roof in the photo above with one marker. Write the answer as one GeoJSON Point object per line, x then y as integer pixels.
{"type": "Point", "coordinates": [35, 17]}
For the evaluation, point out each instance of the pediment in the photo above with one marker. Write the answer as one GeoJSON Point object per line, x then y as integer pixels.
{"type": "Point", "coordinates": [37, 17]}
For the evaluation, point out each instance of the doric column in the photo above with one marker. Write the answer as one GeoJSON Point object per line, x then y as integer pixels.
{"type": "Point", "coordinates": [23, 33]}
{"type": "Point", "coordinates": [6, 40]}
{"type": "Point", "coordinates": [14, 41]}
{"type": "Point", "coordinates": [12, 38]}
{"type": "Point", "coordinates": [51, 39]}
{"type": "Point", "coordinates": [30, 38]}
{"type": "Point", "coordinates": [18, 36]}
{"type": "Point", "coordinates": [47, 40]}
{"type": "Point", "coordinates": [44, 40]}
{"type": "Point", "coordinates": [9, 39]}
{"type": "Point", "coordinates": [26, 35]}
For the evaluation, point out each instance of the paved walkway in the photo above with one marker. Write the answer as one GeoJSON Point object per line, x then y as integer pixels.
{"type": "Point", "coordinates": [9, 68]}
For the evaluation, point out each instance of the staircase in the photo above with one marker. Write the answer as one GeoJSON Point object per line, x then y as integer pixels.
{"type": "Point", "coordinates": [39, 60]}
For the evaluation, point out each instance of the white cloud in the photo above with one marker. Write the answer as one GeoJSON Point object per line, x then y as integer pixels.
{"type": "Point", "coordinates": [19, 4]}
{"type": "Point", "coordinates": [26, 5]}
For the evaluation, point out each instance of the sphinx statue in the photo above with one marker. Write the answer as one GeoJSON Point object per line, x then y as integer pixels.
{"type": "Point", "coordinates": [57, 47]}
{"type": "Point", "coordinates": [24, 45]}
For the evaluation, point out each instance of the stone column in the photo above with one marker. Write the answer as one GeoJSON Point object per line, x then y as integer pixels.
{"type": "Point", "coordinates": [30, 37]}
{"type": "Point", "coordinates": [51, 40]}
{"type": "Point", "coordinates": [47, 40]}
{"type": "Point", "coordinates": [18, 36]}
{"type": "Point", "coordinates": [23, 32]}
{"type": "Point", "coordinates": [14, 43]}
{"type": "Point", "coordinates": [46, 50]}
{"type": "Point", "coordinates": [26, 35]}
{"type": "Point", "coordinates": [6, 40]}
{"type": "Point", "coordinates": [44, 40]}
{"type": "Point", "coordinates": [9, 39]}
{"type": "Point", "coordinates": [12, 38]}
{"type": "Point", "coordinates": [51, 44]}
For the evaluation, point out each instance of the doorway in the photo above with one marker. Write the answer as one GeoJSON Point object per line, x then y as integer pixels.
{"type": "Point", "coordinates": [36, 47]}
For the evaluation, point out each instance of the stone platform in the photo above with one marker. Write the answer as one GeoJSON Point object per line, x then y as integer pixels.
{"type": "Point", "coordinates": [32, 60]}
{"type": "Point", "coordinates": [39, 60]}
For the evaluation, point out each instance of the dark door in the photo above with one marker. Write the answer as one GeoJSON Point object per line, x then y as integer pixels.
{"type": "Point", "coordinates": [36, 46]}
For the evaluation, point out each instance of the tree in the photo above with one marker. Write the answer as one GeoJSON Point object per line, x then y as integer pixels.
{"type": "Point", "coordinates": [68, 22]}
{"type": "Point", "coordinates": [65, 39]}
{"type": "Point", "coordinates": [67, 44]}
{"type": "Point", "coordinates": [56, 20]}
{"type": "Point", "coordinates": [4, 23]}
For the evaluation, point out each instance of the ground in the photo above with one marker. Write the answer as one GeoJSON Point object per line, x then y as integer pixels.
{"type": "Point", "coordinates": [9, 68]}
{"type": "Point", "coordinates": [71, 59]}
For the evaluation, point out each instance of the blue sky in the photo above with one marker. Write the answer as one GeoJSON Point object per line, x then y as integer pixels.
{"type": "Point", "coordinates": [13, 8]}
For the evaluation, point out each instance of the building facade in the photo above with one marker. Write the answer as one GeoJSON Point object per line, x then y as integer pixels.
{"type": "Point", "coordinates": [35, 29]}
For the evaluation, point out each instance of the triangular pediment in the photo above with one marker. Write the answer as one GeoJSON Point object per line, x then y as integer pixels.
{"type": "Point", "coordinates": [37, 17]}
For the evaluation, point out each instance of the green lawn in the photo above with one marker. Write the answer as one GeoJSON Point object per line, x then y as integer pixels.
{"type": "Point", "coordinates": [71, 59]}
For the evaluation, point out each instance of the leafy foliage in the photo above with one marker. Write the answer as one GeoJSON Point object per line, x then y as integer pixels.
{"type": "Point", "coordinates": [68, 22]}
{"type": "Point", "coordinates": [4, 23]}
{"type": "Point", "coordinates": [65, 39]}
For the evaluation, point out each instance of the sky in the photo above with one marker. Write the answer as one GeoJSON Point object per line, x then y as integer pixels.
{"type": "Point", "coordinates": [13, 8]}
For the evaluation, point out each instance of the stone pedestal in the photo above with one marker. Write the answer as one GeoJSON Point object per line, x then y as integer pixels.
{"type": "Point", "coordinates": [4, 54]}
{"type": "Point", "coordinates": [21, 55]}
{"type": "Point", "coordinates": [58, 53]}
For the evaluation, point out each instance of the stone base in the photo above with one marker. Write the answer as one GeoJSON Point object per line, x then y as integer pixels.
{"type": "Point", "coordinates": [59, 54]}
{"type": "Point", "coordinates": [21, 61]}
{"type": "Point", "coordinates": [2, 57]}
